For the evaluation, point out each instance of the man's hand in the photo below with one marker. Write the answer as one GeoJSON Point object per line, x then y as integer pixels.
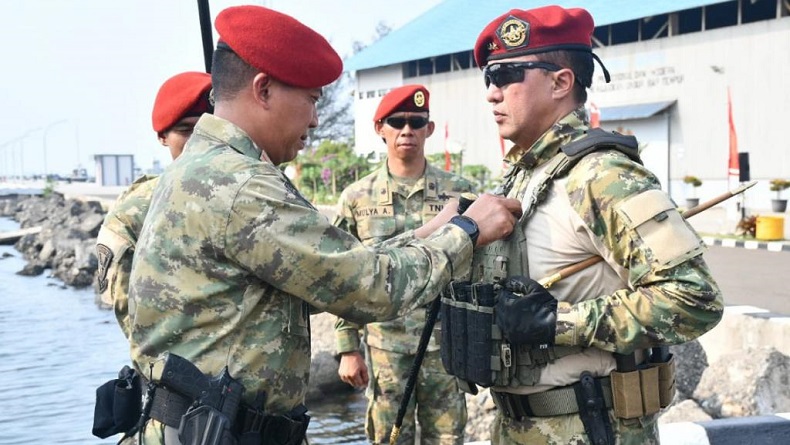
{"type": "Point", "coordinates": [526, 312]}
{"type": "Point", "coordinates": [353, 369]}
{"type": "Point", "coordinates": [495, 217]}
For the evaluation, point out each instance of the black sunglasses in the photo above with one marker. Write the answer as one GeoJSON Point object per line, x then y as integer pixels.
{"type": "Point", "coordinates": [501, 74]}
{"type": "Point", "coordinates": [415, 122]}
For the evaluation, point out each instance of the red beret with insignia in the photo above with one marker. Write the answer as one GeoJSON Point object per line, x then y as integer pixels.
{"type": "Point", "coordinates": [405, 98]}
{"type": "Point", "coordinates": [522, 32]}
{"type": "Point", "coordinates": [279, 45]}
{"type": "Point", "coordinates": [182, 95]}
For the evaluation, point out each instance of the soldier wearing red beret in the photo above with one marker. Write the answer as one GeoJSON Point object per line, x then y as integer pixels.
{"type": "Point", "coordinates": [232, 259]}
{"type": "Point", "coordinates": [178, 104]}
{"type": "Point", "coordinates": [402, 194]}
{"type": "Point", "coordinates": [181, 100]}
{"type": "Point", "coordinates": [585, 361]}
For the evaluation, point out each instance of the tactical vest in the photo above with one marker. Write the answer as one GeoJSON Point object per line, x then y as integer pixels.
{"type": "Point", "coordinates": [473, 348]}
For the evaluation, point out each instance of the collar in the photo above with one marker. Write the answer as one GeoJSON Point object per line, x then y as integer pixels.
{"type": "Point", "coordinates": [226, 132]}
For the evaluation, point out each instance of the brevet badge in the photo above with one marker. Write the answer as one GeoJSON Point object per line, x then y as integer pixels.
{"type": "Point", "coordinates": [513, 32]}
{"type": "Point", "coordinates": [419, 99]}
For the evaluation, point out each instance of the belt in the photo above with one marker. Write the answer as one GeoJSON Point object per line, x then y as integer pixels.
{"type": "Point", "coordinates": [169, 406]}
{"type": "Point", "coordinates": [554, 402]}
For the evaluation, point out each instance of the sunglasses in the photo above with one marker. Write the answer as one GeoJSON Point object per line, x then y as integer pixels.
{"type": "Point", "coordinates": [415, 122]}
{"type": "Point", "coordinates": [501, 74]}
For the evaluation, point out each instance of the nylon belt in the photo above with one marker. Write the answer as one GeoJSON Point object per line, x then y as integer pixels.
{"type": "Point", "coordinates": [554, 402]}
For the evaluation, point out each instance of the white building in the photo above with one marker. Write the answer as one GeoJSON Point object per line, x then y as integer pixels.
{"type": "Point", "coordinates": [672, 64]}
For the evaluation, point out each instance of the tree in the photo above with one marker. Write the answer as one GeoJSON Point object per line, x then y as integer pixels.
{"type": "Point", "coordinates": [335, 122]}
{"type": "Point", "coordinates": [321, 173]}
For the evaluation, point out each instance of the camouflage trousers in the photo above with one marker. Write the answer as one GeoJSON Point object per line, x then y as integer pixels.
{"type": "Point", "coordinates": [440, 405]}
{"type": "Point", "coordinates": [568, 430]}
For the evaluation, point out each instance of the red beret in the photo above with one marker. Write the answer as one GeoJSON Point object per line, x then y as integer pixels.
{"type": "Point", "coordinates": [279, 45]}
{"type": "Point", "coordinates": [182, 95]}
{"type": "Point", "coordinates": [405, 98]}
{"type": "Point", "coordinates": [521, 32]}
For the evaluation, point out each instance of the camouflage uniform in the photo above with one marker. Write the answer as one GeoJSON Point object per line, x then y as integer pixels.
{"type": "Point", "coordinates": [653, 288]}
{"type": "Point", "coordinates": [374, 209]}
{"type": "Point", "coordinates": [115, 246]}
{"type": "Point", "coordinates": [232, 259]}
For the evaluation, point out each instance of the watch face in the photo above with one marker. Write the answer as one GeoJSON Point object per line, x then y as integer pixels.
{"type": "Point", "coordinates": [468, 224]}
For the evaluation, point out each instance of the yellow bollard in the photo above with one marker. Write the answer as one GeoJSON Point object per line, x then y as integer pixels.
{"type": "Point", "coordinates": [770, 228]}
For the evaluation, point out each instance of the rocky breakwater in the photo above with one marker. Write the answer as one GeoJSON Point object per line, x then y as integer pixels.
{"type": "Point", "coordinates": [66, 244]}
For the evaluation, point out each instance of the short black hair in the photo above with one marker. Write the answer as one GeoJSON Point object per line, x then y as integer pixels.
{"type": "Point", "coordinates": [229, 74]}
{"type": "Point", "coordinates": [582, 65]}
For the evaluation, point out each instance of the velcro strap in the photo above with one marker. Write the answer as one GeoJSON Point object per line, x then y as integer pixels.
{"type": "Point", "coordinates": [555, 402]}
{"type": "Point", "coordinates": [168, 406]}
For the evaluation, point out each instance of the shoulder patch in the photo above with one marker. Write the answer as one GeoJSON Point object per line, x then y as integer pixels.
{"type": "Point", "coordinates": [105, 257]}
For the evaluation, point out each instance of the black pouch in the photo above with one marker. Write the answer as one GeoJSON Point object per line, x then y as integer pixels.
{"type": "Point", "coordinates": [118, 404]}
{"type": "Point", "coordinates": [479, 322]}
{"type": "Point", "coordinates": [289, 429]}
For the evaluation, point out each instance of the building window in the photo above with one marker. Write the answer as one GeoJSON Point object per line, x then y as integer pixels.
{"type": "Point", "coordinates": [625, 32]}
{"type": "Point", "coordinates": [424, 66]}
{"type": "Point", "coordinates": [442, 64]}
{"type": "Point", "coordinates": [689, 20]}
{"type": "Point", "coordinates": [601, 36]}
{"type": "Point", "coordinates": [655, 27]}
{"type": "Point", "coordinates": [462, 60]}
{"type": "Point", "coordinates": [721, 15]}
{"type": "Point", "coordinates": [370, 94]}
{"type": "Point", "coordinates": [756, 10]}
{"type": "Point", "coordinates": [410, 69]}
{"type": "Point", "coordinates": [382, 92]}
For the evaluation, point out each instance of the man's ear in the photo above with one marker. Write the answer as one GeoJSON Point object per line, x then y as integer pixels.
{"type": "Point", "coordinates": [261, 88]}
{"type": "Point", "coordinates": [379, 127]}
{"type": "Point", "coordinates": [562, 84]}
{"type": "Point", "coordinates": [431, 127]}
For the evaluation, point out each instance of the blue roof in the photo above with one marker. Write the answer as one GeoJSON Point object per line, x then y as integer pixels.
{"type": "Point", "coordinates": [635, 111]}
{"type": "Point", "coordinates": [453, 26]}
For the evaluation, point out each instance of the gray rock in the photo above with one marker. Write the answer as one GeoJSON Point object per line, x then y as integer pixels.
{"type": "Point", "coordinates": [752, 382]}
{"type": "Point", "coordinates": [685, 411]}
{"type": "Point", "coordinates": [691, 362]}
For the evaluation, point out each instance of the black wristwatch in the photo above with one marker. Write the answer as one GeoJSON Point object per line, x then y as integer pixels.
{"type": "Point", "coordinates": [469, 225]}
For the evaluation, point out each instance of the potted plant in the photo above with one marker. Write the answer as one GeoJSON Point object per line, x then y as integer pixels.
{"type": "Point", "coordinates": [694, 182]}
{"type": "Point", "coordinates": [779, 205]}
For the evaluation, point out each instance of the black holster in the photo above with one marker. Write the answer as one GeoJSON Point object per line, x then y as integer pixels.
{"type": "Point", "coordinates": [118, 404]}
{"type": "Point", "coordinates": [592, 410]}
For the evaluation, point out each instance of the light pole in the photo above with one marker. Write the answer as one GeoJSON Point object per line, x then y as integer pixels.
{"type": "Point", "coordinates": [22, 150]}
{"type": "Point", "coordinates": [46, 132]}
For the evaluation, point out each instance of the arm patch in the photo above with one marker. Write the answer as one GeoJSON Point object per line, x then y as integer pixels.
{"type": "Point", "coordinates": [660, 227]}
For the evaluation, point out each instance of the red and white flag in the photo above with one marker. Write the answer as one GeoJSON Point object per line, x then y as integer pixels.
{"type": "Point", "coordinates": [733, 167]}
{"type": "Point", "coordinates": [447, 164]}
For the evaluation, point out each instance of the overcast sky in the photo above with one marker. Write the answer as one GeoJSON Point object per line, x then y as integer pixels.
{"type": "Point", "coordinates": [79, 77]}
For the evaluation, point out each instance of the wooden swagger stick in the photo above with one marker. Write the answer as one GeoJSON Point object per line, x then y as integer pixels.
{"type": "Point", "coordinates": [565, 272]}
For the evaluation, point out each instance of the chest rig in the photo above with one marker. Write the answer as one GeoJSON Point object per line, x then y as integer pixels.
{"type": "Point", "coordinates": [473, 348]}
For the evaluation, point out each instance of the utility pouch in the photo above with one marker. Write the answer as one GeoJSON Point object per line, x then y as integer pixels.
{"type": "Point", "coordinates": [666, 381]}
{"type": "Point", "coordinates": [205, 425]}
{"type": "Point", "coordinates": [118, 404]}
{"type": "Point", "coordinates": [626, 394]}
{"type": "Point", "coordinates": [479, 322]}
{"type": "Point", "coordinates": [648, 380]}
{"type": "Point", "coordinates": [643, 392]}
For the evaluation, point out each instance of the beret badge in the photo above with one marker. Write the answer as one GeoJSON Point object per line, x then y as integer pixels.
{"type": "Point", "coordinates": [513, 32]}
{"type": "Point", "coordinates": [419, 99]}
